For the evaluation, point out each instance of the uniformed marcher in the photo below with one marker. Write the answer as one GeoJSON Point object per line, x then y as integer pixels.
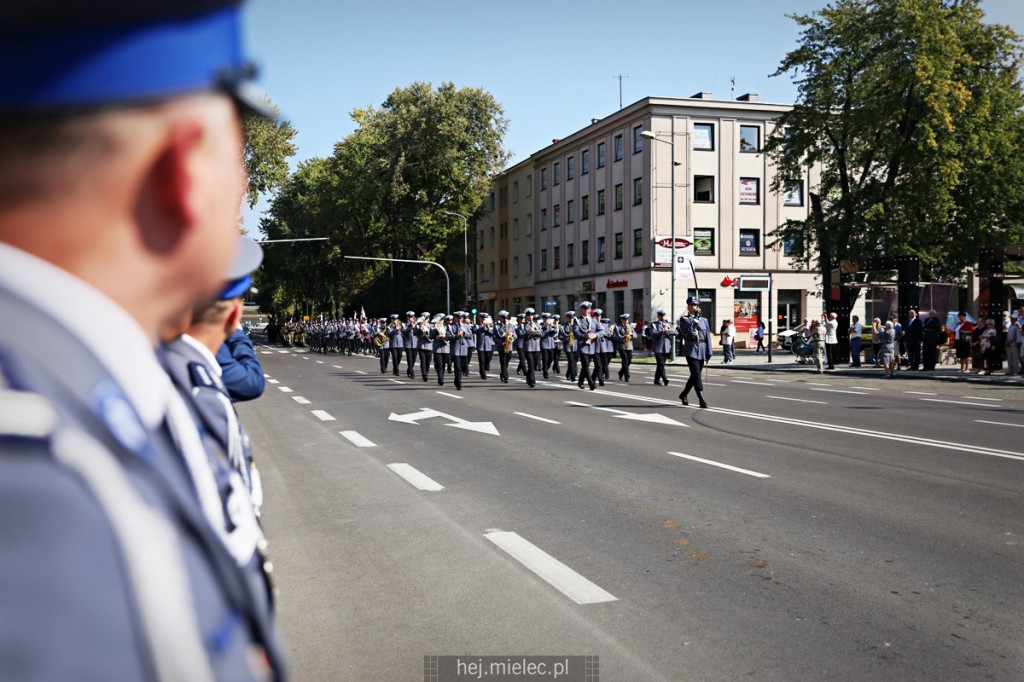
{"type": "Point", "coordinates": [424, 343]}
{"type": "Point", "coordinates": [519, 345]}
{"type": "Point", "coordinates": [120, 182]}
{"type": "Point", "coordinates": [605, 347]}
{"type": "Point", "coordinates": [466, 322]}
{"type": "Point", "coordinates": [440, 328]}
{"type": "Point", "coordinates": [697, 348]}
{"type": "Point", "coordinates": [459, 335]}
{"type": "Point", "coordinates": [396, 341]}
{"type": "Point", "coordinates": [530, 332]}
{"type": "Point", "coordinates": [485, 343]}
{"type": "Point", "coordinates": [585, 333]}
{"type": "Point", "coordinates": [409, 343]}
{"type": "Point", "coordinates": [623, 337]}
{"type": "Point", "coordinates": [662, 337]}
{"type": "Point", "coordinates": [504, 335]}
{"type": "Point", "coordinates": [571, 346]}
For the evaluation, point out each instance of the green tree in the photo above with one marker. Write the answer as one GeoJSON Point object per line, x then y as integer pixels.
{"type": "Point", "coordinates": [913, 111]}
{"type": "Point", "coordinates": [268, 146]}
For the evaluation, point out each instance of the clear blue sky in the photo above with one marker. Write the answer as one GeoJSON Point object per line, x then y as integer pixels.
{"type": "Point", "coordinates": [553, 64]}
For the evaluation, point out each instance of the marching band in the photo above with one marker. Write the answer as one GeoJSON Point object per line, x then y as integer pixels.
{"type": "Point", "coordinates": [588, 340]}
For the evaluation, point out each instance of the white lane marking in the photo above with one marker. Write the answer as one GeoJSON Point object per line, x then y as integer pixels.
{"type": "Point", "coordinates": [622, 414]}
{"type": "Point", "coordinates": [812, 383]}
{"type": "Point", "coordinates": [450, 395]}
{"type": "Point", "coordinates": [711, 383]}
{"type": "Point", "coordinates": [540, 419]}
{"type": "Point", "coordinates": [300, 400]}
{"type": "Point", "coordinates": [975, 397]}
{"type": "Point", "coordinates": [919, 393]}
{"type": "Point", "coordinates": [956, 402]}
{"type": "Point", "coordinates": [358, 439]}
{"type": "Point", "coordinates": [284, 351]}
{"type": "Point", "coordinates": [323, 416]}
{"type": "Point", "coordinates": [267, 352]}
{"type": "Point", "coordinates": [284, 389]}
{"type": "Point", "coordinates": [750, 383]}
{"type": "Point", "coordinates": [427, 413]}
{"type": "Point", "coordinates": [319, 362]}
{"type": "Point", "coordinates": [779, 381]}
{"type": "Point", "coordinates": [838, 390]}
{"type": "Point", "coordinates": [982, 421]}
{"type": "Point", "coordinates": [415, 477]}
{"type": "Point", "coordinates": [797, 400]}
{"type": "Point", "coordinates": [865, 388]}
{"type": "Point", "coordinates": [554, 572]}
{"type": "Point", "coordinates": [273, 381]}
{"type": "Point", "coordinates": [266, 376]}
{"type": "Point", "coordinates": [396, 381]}
{"type": "Point", "coordinates": [336, 366]}
{"type": "Point", "coordinates": [748, 472]}
{"type": "Point", "coordinates": [305, 357]}
{"type": "Point", "coordinates": [959, 448]}
{"type": "Point", "coordinates": [358, 371]}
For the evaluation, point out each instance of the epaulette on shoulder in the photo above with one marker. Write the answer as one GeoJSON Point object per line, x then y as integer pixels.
{"type": "Point", "coordinates": [26, 415]}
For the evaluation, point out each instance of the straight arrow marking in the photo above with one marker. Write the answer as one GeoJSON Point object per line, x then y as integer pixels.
{"type": "Point", "coordinates": [622, 414]}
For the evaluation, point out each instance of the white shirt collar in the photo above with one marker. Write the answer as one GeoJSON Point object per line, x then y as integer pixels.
{"type": "Point", "coordinates": [209, 357]}
{"type": "Point", "coordinates": [98, 323]}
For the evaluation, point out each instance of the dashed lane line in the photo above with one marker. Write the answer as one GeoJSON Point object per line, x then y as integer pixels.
{"type": "Point", "coordinates": [284, 389]}
{"type": "Point", "coordinates": [416, 478]}
{"type": "Point", "coordinates": [358, 439]}
{"type": "Point", "coordinates": [540, 419]}
{"type": "Point", "coordinates": [721, 465]}
{"type": "Point", "coordinates": [323, 416]}
{"type": "Point", "coordinates": [300, 400]}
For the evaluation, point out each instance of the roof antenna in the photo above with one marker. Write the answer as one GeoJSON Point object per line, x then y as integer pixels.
{"type": "Point", "coordinates": [620, 77]}
{"type": "Point", "coordinates": [732, 90]}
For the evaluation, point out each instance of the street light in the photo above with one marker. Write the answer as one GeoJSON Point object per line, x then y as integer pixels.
{"type": "Point", "coordinates": [649, 134]}
{"type": "Point", "coordinates": [465, 248]}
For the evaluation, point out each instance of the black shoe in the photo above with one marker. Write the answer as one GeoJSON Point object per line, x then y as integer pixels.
{"type": "Point", "coordinates": [627, 378]}
{"type": "Point", "coordinates": [703, 404]}
{"type": "Point", "coordinates": [682, 396]}
{"type": "Point", "coordinates": [600, 383]}
{"type": "Point", "coordinates": [581, 385]}
{"type": "Point", "coordinates": [545, 376]}
{"type": "Point", "coordinates": [666, 381]}
{"type": "Point", "coordinates": [591, 388]}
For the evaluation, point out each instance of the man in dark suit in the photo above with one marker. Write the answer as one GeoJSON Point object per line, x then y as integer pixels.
{"type": "Point", "coordinates": [912, 337]}
{"type": "Point", "coordinates": [697, 348]}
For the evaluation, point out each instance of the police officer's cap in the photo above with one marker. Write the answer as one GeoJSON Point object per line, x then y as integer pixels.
{"type": "Point", "coordinates": [586, 304]}
{"type": "Point", "coordinates": [448, 318]}
{"type": "Point", "coordinates": [502, 313]}
{"type": "Point", "coordinates": [425, 315]}
{"type": "Point", "coordinates": [60, 55]}
{"type": "Point", "coordinates": [410, 313]}
{"type": "Point", "coordinates": [545, 316]}
{"type": "Point", "coordinates": [248, 256]}
{"type": "Point", "coordinates": [692, 300]}
{"type": "Point", "coordinates": [393, 316]}
{"type": "Point", "coordinates": [571, 313]}
{"type": "Point", "coordinates": [660, 311]}
{"type": "Point", "coordinates": [598, 311]}
{"type": "Point", "coordinates": [529, 311]}
{"type": "Point", "coordinates": [624, 316]}
{"type": "Point", "coordinates": [520, 316]}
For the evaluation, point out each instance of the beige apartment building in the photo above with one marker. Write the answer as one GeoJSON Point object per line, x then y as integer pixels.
{"type": "Point", "coordinates": [590, 217]}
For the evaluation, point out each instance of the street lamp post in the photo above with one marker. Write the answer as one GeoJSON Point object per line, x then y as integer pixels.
{"type": "Point", "coordinates": [649, 134]}
{"type": "Point", "coordinates": [465, 250]}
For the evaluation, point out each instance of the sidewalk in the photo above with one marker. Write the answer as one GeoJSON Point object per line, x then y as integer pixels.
{"type": "Point", "coordinates": [785, 361]}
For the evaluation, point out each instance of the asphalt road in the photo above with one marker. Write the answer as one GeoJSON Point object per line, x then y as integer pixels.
{"type": "Point", "coordinates": [803, 528]}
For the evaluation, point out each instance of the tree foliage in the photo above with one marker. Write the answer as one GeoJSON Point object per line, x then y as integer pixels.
{"type": "Point", "coordinates": [381, 194]}
{"type": "Point", "coordinates": [914, 111]}
{"type": "Point", "coordinates": [268, 146]}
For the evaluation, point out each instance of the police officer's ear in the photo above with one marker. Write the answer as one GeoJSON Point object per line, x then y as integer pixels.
{"type": "Point", "coordinates": [234, 318]}
{"type": "Point", "coordinates": [174, 176]}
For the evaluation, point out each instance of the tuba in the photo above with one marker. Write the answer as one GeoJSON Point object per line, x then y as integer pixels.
{"type": "Point", "coordinates": [380, 338]}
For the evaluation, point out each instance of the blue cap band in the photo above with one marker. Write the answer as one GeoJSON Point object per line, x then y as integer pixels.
{"type": "Point", "coordinates": [236, 288]}
{"type": "Point", "coordinates": [95, 65]}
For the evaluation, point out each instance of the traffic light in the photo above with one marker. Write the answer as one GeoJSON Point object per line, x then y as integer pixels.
{"type": "Point", "coordinates": [473, 311]}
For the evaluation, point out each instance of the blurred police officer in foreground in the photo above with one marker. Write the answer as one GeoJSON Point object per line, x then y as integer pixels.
{"type": "Point", "coordinates": [120, 186]}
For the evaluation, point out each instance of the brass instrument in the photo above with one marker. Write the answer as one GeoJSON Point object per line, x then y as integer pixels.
{"type": "Point", "coordinates": [510, 336]}
{"type": "Point", "coordinates": [380, 338]}
{"type": "Point", "coordinates": [438, 322]}
{"type": "Point", "coordinates": [570, 340]}
{"type": "Point", "coordinates": [423, 323]}
{"type": "Point", "coordinates": [627, 338]}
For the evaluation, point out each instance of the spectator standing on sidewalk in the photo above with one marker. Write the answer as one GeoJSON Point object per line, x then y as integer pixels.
{"type": "Point", "coordinates": [987, 343]}
{"type": "Point", "coordinates": [930, 329]}
{"type": "Point", "coordinates": [728, 336]}
{"type": "Point", "coordinates": [962, 341]}
{"type": "Point", "coordinates": [856, 329]}
{"type": "Point", "coordinates": [831, 338]}
{"type": "Point", "coordinates": [886, 346]}
{"type": "Point", "coordinates": [912, 339]}
{"type": "Point", "coordinates": [817, 340]}
{"type": "Point", "coordinates": [1013, 339]}
{"type": "Point", "coordinates": [897, 333]}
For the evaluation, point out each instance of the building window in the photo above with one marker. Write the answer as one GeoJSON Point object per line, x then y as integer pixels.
{"type": "Point", "coordinates": [557, 173]}
{"type": "Point", "coordinates": [618, 147]}
{"type": "Point", "coordinates": [492, 271]}
{"type": "Point", "coordinates": [618, 246]}
{"type": "Point", "coordinates": [704, 136]}
{"type": "Point", "coordinates": [585, 207]}
{"type": "Point", "coordinates": [569, 248]}
{"type": "Point", "coordinates": [515, 191]}
{"type": "Point", "coordinates": [481, 241]}
{"type": "Point", "coordinates": [638, 191]}
{"type": "Point", "coordinates": [529, 224]}
{"type": "Point", "coordinates": [600, 202]}
{"type": "Point", "coordinates": [543, 260]}
{"type": "Point", "coordinates": [543, 219]}
{"type": "Point", "coordinates": [793, 246]}
{"type": "Point", "coordinates": [558, 215]}
{"type": "Point", "coordinates": [749, 243]}
{"type": "Point", "coordinates": [482, 278]}
{"type": "Point", "coordinates": [750, 138]}
{"type": "Point", "coordinates": [570, 211]}
{"type": "Point", "coordinates": [491, 201]}
{"type": "Point", "coordinates": [601, 154]}
{"type": "Point", "coordinates": [515, 266]}
{"type": "Point", "coordinates": [515, 228]}
{"type": "Point", "coordinates": [794, 194]}
{"type": "Point", "coordinates": [704, 188]}
{"type": "Point", "coordinates": [638, 242]}
{"type": "Point", "coordinates": [529, 185]}
{"type": "Point", "coordinates": [543, 178]}
{"type": "Point", "coordinates": [600, 250]}
{"type": "Point", "coordinates": [570, 168]}
{"type": "Point", "coordinates": [618, 197]}
{"type": "Point", "coordinates": [558, 258]}
{"type": "Point", "coordinates": [638, 139]}
{"type": "Point", "coordinates": [491, 240]}
{"type": "Point", "coordinates": [703, 241]}
{"type": "Point", "coordinates": [529, 264]}
{"type": "Point", "coordinates": [585, 252]}
{"type": "Point", "coordinates": [750, 190]}
{"type": "Point", "coordinates": [584, 162]}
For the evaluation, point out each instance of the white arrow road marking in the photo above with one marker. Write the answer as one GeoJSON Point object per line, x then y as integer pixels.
{"type": "Point", "coordinates": [622, 414]}
{"type": "Point", "coordinates": [300, 400]}
{"type": "Point", "coordinates": [554, 572]}
{"type": "Point", "coordinates": [417, 478]}
{"type": "Point", "coordinates": [323, 416]}
{"type": "Point", "coordinates": [719, 464]}
{"type": "Point", "coordinates": [540, 419]}
{"type": "Point", "coordinates": [358, 439]}
{"type": "Point", "coordinates": [427, 413]}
